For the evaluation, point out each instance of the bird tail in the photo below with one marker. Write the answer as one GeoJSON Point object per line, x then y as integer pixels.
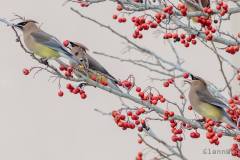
{"type": "Point", "coordinates": [229, 121]}
{"type": "Point", "coordinates": [113, 84]}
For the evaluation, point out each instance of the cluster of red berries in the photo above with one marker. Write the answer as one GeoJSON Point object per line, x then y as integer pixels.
{"type": "Point", "coordinates": [126, 84]}
{"type": "Point", "coordinates": [149, 96]}
{"type": "Point", "coordinates": [139, 156]}
{"type": "Point", "coordinates": [76, 90]}
{"type": "Point", "coordinates": [168, 9]}
{"type": "Point", "coordinates": [195, 134]}
{"type": "Point", "coordinates": [235, 150]}
{"type": "Point", "coordinates": [204, 21]}
{"type": "Point", "coordinates": [131, 120]}
{"type": "Point", "coordinates": [234, 111]}
{"type": "Point", "coordinates": [182, 38]}
{"type": "Point", "coordinates": [168, 114]}
{"type": "Point", "coordinates": [232, 49]}
{"type": "Point", "coordinates": [26, 71]}
{"type": "Point", "coordinates": [118, 18]}
{"type": "Point", "coordinates": [211, 134]}
{"type": "Point", "coordinates": [209, 34]}
{"type": "Point", "coordinates": [168, 82]}
{"type": "Point", "coordinates": [176, 132]}
{"type": "Point", "coordinates": [207, 10]}
{"type": "Point", "coordinates": [142, 24]}
{"type": "Point", "coordinates": [183, 9]}
{"type": "Point", "coordinates": [159, 17]}
{"type": "Point", "coordinates": [68, 70]}
{"type": "Point", "coordinates": [222, 7]}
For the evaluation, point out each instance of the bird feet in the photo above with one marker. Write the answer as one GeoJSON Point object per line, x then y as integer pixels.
{"type": "Point", "coordinates": [44, 61]}
{"type": "Point", "coordinates": [83, 84]}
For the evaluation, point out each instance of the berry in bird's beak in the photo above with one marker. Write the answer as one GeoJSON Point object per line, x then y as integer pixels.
{"type": "Point", "coordinates": [66, 43]}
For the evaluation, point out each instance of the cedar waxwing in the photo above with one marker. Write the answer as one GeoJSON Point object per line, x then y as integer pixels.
{"type": "Point", "coordinates": [94, 68]}
{"type": "Point", "coordinates": [207, 105]}
{"type": "Point", "coordinates": [192, 8]}
{"type": "Point", "coordinates": [41, 43]}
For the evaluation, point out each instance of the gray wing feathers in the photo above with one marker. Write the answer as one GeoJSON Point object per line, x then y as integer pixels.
{"type": "Point", "coordinates": [95, 65]}
{"type": "Point", "coordinates": [208, 98]}
{"type": "Point", "coordinates": [50, 41]}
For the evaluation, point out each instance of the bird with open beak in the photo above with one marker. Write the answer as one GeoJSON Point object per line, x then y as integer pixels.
{"type": "Point", "coordinates": [92, 66]}
{"type": "Point", "coordinates": [41, 43]}
{"type": "Point", "coordinates": [207, 105]}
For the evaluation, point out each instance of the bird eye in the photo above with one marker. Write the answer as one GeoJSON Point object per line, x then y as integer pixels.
{"type": "Point", "coordinates": [22, 23]}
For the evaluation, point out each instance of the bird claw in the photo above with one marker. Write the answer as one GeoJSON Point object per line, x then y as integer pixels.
{"type": "Point", "coordinates": [82, 84]}
{"type": "Point", "coordinates": [44, 61]}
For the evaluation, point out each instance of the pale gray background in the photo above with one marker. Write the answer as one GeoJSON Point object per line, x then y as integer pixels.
{"type": "Point", "coordinates": [35, 124]}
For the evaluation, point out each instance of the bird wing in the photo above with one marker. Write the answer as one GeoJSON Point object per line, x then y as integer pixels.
{"type": "Point", "coordinates": [50, 41]}
{"type": "Point", "coordinates": [205, 96]}
{"type": "Point", "coordinates": [95, 65]}
{"type": "Point", "coordinates": [205, 3]}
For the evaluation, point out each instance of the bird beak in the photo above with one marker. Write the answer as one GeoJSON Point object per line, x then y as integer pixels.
{"type": "Point", "coordinates": [73, 44]}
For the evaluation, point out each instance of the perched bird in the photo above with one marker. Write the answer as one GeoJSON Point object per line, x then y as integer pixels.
{"type": "Point", "coordinates": [190, 4]}
{"type": "Point", "coordinates": [207, 105]}
{"type": "Point", "coordinates": [41, 43]}
{"type": "Point", "coordinates": [94, 68]}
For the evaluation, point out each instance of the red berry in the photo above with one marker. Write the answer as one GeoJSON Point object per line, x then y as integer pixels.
{"type": "Point", "coordinates": [119, 7]}
{"type": "Point", "coordinates": [171, 114]}
{"type": "Point", "coordinates": [194, 42]}
{"type": "Point", "coordinates": [69, 86]}
{"type": "Point", "coordinates": [138, 89]}
{"type": "Point", "coordinates": [140, 129]}
{"type": "Point", "coordinates": [114, 16]}
{"type": "Point", "coordinates": [60, 93]}
{"type": "Point", "coordinates": [190, 108]}
{"type": "Point", "coordinates": [26, 71]}
{"type": "Point", "coordinates": [62, 67]}
{"type": "Point", "coordinates": [66, 43]}
{"type": "Point", "coordinates": [166, 84]}
{"type": "Point", "coordinates": [83, 96]}
{"type": "Point", "coordinates": [129, 113]}
{"type": "Point", "coordinates": [140, 140]}
{"type": "Point", "coordinates": [174, 138]}
{"type": "Point", "coordinates": [141, 94]}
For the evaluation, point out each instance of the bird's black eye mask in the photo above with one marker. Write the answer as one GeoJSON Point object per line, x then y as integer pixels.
{"type": "Point", "coordinates": [194, 77]}
{"type": "Point", "coordinates": [73, 44]}
{"type": "Point", "coordinates": [198, 78]}
{"type": "Point", "coordinates": [21, 24]}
